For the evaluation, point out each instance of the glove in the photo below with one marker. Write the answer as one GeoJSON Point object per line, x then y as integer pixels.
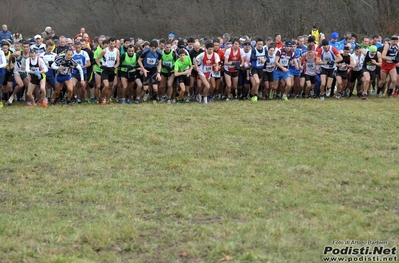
{"type": "Point", "coordinates": [331, 63]}
{"type": "Point", "coordinates": [38, 74]}
{"type": "Point", "coordinates": [236, 65]}
{"type": "Point", "coordinates": [168, 68]}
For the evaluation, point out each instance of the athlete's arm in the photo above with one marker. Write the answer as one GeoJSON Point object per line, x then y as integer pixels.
{"type": "Point", "coordinates": [351, 63]}
{"type": "Point", "coordinates": [379, 59]}
{"type": "Point", "coordinates": [99, 57]}
{"type": "Point", "coordinates": [78, 67]}
{"type": "Point", "coordinates": [117, 59]}
{"type": "Point", "coordinates": [384, 53]}
{"type": "Point", "coordinates": [43, 65]}
{"type": "Point", "coordinates": [88, 62]}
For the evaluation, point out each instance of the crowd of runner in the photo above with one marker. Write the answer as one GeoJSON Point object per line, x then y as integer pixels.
{"type": "Point", "coordinates": [48, 69]}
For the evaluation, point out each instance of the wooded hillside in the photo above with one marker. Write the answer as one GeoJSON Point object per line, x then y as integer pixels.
{"type": "Point", "coordinates": [155, 18]}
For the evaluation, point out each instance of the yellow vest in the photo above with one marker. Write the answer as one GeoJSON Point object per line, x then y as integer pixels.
{"type": "Point", "coordinates": [316, 34]}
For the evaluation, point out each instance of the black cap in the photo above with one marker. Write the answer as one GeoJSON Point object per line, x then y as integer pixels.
{"type": "Point", "coordinates": [180, 44]}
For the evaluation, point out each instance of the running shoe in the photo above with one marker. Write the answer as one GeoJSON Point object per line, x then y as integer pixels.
{"type": "Point", "coordinates": [10, 100]}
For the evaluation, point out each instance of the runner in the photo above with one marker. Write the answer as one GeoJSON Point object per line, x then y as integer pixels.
{"type": "Point", "coordinates": [110, 62]}
{"type": "Point", "coordinates": [233, 61]}
{"type": "Point", "coordinates": [244, 74]}
{"type": "Point", "coordinates": [268, 74]}
{"type": "Point", "coordinates": [64, 65]}
{"type": "Point", "coordinates": [326, 57]}
{"type": "Point", "coordinates": [372, 60]}
{"type": "Point", "coordinates": [282, 60]}
{"type": "Point", "coordinates": [216, 76]}
{"type": "Point", "coordinates": [388, 67]}
{"type": "Point", "coordinates": [183, 68]}
{"type": "Point", "coordinates": [259, 56]}
{"type": "Point", "coordinates": [206, 63]}
{"type": "Point", "coordinates": [343, 66]}
{"type": "Point", "coordinates": [21, 76]}
{"type": "Point", "coordinates": [150, 62]}
{"type": "Point", "coordinates": [129, 75]}
{"type": "Point", "coordinates": [356, 72]}
{"type": "Point", "coordinates": [167, 73]}
{"type": "Point", "coordinates": [82, 58]}
{"type": "Point", "coordinates": [36, 67]}
{"type": "Point", "coordinates": [308, 61]}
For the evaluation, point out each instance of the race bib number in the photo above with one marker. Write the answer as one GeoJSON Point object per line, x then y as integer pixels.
{"type": "Point", "coordinates": [216, 74]}
{"type": "Point", "coordinates": [371, 67]}
{"type": "Point", "coordinates": [259, 63]}
{"type": "Point", "coordinates": [284, 62]}
{"type": "Point", "coordinates": [79, 61]}
{"type": "Point", "coordinates": [64, 71]}
{"type": "Point", "coordinates": [207, 68]}
{"type": "Point", "coordinates": [167, 63]}
{"type": "Point", "coordinates": [151, 61]}
{"type": "Point", "coordinates": [310, 65]}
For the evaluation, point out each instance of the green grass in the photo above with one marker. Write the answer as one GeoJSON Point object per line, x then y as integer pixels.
{"type": "Point", "coordinates": [256, 182]}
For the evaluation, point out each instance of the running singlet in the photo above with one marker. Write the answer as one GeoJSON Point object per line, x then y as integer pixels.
{"type": "Point", "coordinates": [39, 49]}
{"type": "Point", "coordinates": [168, 61]}
{"type": "Point", "coordinates": [391, 53]}
{"type": "Point", "coordinates": [49, 58]}
{"type": "Point", "coordinates": [346, 60]}
{"type": "Point", "coordinates": [329, 55]}
{"type": "Point", "coordinates": [60, 51]}
{"type": "Point", "coordinates": [128, 61]}
{"type": "Point", "coordinates": [358, 62]}
{"type": "Point", "coordinates": [367, 64]}
{"type": "Point", "coordinates": [269, 64]}
{"type": "Point", "coordinates": [285, 57]}
{"type": "Point", "coordinates": [80, 58]}
{"type": "Point", "coordinates": [310, 67]}
{"type": "Point", "coordinates": [20, 65]}
{"type": "Point", "coordinates": [258, 55]}
{"type": "Point", "coordinates": [234, 56]}
{"type": "Point", "coordinates": [247, 58]}
{"type": "Point", "coordinates": [109, 58]}
{"type": "Point", "coordinates": [67, 64]}
{"type": "Point", "coordinates": [208, 63]}
{"type": "Point", "coordinates": [151, 59]}
{"type": "Point", "coordinates": [218, 74]}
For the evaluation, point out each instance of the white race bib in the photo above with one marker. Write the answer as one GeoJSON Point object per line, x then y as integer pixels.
{"type": "Point", "coordinates": [284, 62]}
{"type": "Point", "coordinates": [216, 74]}
{"type": "Point", "coordinates": [151, 61]}
{"type": "Point", "coordinates": [207, 68]}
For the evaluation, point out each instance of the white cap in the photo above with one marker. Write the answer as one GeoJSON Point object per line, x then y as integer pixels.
{"type": "Point", "coordinates": [37, 36]}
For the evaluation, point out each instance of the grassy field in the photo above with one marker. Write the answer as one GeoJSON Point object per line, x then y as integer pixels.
{"type": "Point", "coordinates": [239, 182]}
